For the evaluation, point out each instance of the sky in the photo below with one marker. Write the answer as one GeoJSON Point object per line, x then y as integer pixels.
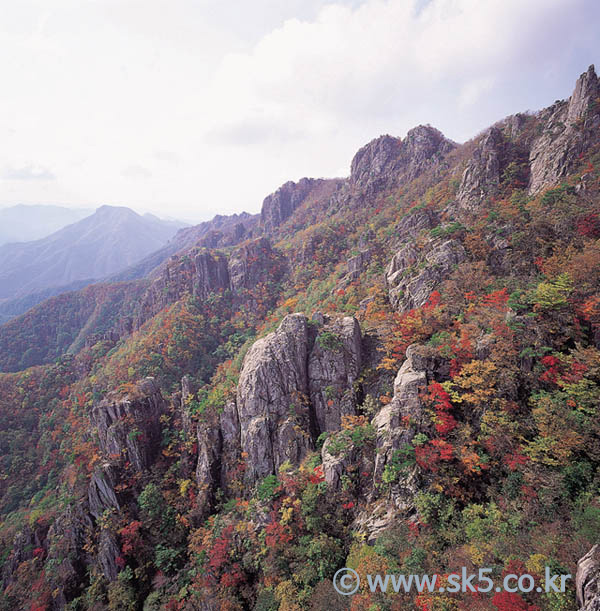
{"type": "Point", "coordinates": [191, 108]}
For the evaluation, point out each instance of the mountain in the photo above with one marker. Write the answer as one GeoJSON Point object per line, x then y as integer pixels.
{"type": "Point", "coordinates": [396, 372]}
{"type": "Point", "coordinates": [24, 223]}
{"type": "Point", "coordinates": [95, 247]}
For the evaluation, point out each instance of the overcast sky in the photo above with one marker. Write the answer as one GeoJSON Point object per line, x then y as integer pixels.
{"type": "Point", "coordinates": [189, 108]}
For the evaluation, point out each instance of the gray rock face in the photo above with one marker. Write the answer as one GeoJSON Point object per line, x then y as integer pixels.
{"type": "Point", "coordinates": [279, 206]}
{"type": "Point", "coordinates": [253, 263]}
{"type": "Point", "coordinates": [197, 273]}
{"type": "Point", "coordinates": [229, 431]}
{"type": "Point", "coordinates": [395, 426]}
{"type": "Point", "coordinates": [272, 399]}
{"type": "Point", "coordinates": [108, 552]}
{"type": "Point", "coordinates": [101, 490]}
{"type": "Point", "coordinates": [294, 384]}
{"type": "Point", "coordinates": [412, 274]}
{"type": "Point", "coordinates": [482, 174]}
{"type": "Point", "coordinates": [333, 368]}
{"type": "Point", "coordinates": [392, 432]}
{"type": "Point", "coordinates": [413, 223]}
{"type": "Point", "coordinates": [568, 128]}
{"type": "Point", "coordinates": [24, 543]}
{"type": "Point", "coordinates": [587, 581]}
{"type": "Point", "coordinates": [207, 469]}
{"type": "Point", "coordinates": [129, 427]}
{"type": "Point", "coordinates": [387, 161]}
{"type": "Point", "coordinates": [67, 537]}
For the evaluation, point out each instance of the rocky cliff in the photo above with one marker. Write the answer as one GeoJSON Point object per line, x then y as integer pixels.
{"type": "Point", "coordinates": [587, 580]}
{"type": "Point", "coordinates": [567, 129]}
{"type": "Point", "coordinates": [387, 162]}
{"type": "Point", "coordinates": [295, 383]}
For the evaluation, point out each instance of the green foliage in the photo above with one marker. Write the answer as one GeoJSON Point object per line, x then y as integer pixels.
{"type": "Point", "coordinates": [402, 460]}
{"type": "Point", "coordinates": [266, 489]}
{"type": "Point", "coordinates": [328, 340]}
{"type": "Point", "coordinates": [442, 231]}
{"type": "Point", "coordinates": [553, 294]}
{"type": "Point", "coordinates": [166, 558]}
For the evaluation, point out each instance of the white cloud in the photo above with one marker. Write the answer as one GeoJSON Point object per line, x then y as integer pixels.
{"type": "Point", "coordinates": [27, 172]}
{"type": "Point", "coordinates": [215, 104]}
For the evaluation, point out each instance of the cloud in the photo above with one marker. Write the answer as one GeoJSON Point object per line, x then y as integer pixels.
{"type": "Point", "coordinates": [27, 172]}
{"type": "Point", "coordinates": [136, 171]}
{"type": "Point", "coordinates": [288, 90]}
{"type": "Point", "coordinates": [255, 131]}
{"type": "Point", "coordinates": [474, 90]}
{"type": "Point", "coordinates": [167, 157]}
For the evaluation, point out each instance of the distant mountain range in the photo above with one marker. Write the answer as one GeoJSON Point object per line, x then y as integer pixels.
{"type": "Point", "coordinates": [99, 245]}
{"type": "Point", "coordinates": [24, 223]}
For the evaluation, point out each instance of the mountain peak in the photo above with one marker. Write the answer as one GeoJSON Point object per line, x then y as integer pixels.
{"type": "Point", "coordinates": [393, 161]}
{"type": "Point", "coordinates": [587, 89]}
{"type": "Point", "coordinates": [115, 211]}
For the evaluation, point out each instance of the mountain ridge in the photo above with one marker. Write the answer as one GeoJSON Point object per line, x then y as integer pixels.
{"type": "Point", "coordinates": [91, 248]}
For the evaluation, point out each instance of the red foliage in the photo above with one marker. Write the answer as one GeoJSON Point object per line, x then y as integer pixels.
{"type": "Point", "coordinates": [219, 552]}
{"type": "Point", "coordinates": [429, 455]}
{"type": "Point", "coordinates": [513, 461]}
{"type": "Point", "coordinates": [497, 299]}
{"type": "Point", "coordinates": [233, 577]}
{"type": "Point", "coordinates": [589, 226]}
{"type": "Point", "coordinates": [130, 536]}
{"type": "Point", "coordinates": [509, 601]}
{"type": "Point", "coordinates": [277, 534]}
{"type": "Point", "coordinates": [551, 374]}
{"type": "Point", "coordinates": [444, 421]}
{"type": "Point", "coordinates": [590, 310]}
{"type": "Point", "coordinates": [317, 476]}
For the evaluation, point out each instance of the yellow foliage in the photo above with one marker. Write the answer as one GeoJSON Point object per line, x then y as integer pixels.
{"type": "Point", "coordinates": [184, 485]}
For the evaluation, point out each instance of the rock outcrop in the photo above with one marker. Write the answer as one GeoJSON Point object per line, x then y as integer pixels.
{"type": "Point", "coordinates": [254, 263]}
{"type": "Point", "coordinates": [413, 273]}
{"type": "Point", "coordinates": [391, 428]}
{"type": "Point", "coordinates": [197, 273]}
{"type": "Point", "coordinates": [128, 427]}
{"type": "Point", "coordinates": [200, 272]}
{"type": "Point", "coordinates": [67, 537]}
{"type": "Point", "coordinates": [567, 128]}
{"type": "Point", "coordinates": [279, 206]}
{"type": "Point", "coordinates": [388, 162]}
{"type": "Point", "coordinates": [333, 368]}
{"type": "Point", "coordinates": [101, 490]}
{"type": "Point", "coordinates": [24, 542]}
{"type": "Point", "coordinates": [294, 384]}
{"type": "Point", "coordinates": [587, 581]}
{"type": "Point", "coordinates": [481, 177]}
{"type": "Point", "coordinates": [272, 399]}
